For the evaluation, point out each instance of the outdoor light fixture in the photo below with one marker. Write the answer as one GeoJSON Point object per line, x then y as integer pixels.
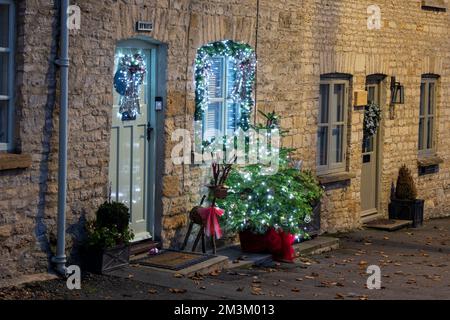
{"type": "Point", "coordinates": [397, 92]}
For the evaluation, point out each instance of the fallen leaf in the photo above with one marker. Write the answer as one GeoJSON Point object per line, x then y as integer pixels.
{"type": "Point", "coordinates": [152, 291]}
{"type": "Point", "coordinates": [214, 273]}
{"type": "Point", "coordinates": [295, 290]}
{"type": "Point", "coordinates": [177, 291]}
{"type": "Point", "coordinates": [339, 296]}
{"type": "Point", "coordinates": [178, 275]}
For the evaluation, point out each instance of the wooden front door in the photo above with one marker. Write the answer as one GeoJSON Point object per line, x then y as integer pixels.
{"type": "Point", "coordinates": [131, 153]}
{"type": "Point", "coordinates": [370, 148]}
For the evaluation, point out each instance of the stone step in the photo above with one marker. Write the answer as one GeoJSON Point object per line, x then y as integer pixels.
{"type": "Point", "coordinates": [388, 225]}
{"type": "Point", "coordinates": [317, 245]}
{"type": "Point", "coordinates": [239, 259]}
{"type": "Point", "coordinates": [143, 246]}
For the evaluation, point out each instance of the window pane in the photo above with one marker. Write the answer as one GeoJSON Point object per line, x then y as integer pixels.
{"type": "Point", "coordinates": [324, 103]}
{"type": "Point", "coordinates": [215, 85]}
{"type": "Point", "coordinates": [3, 74]}
{"type": "Point", "coordinates": [339, 97]}
{"type": "Point", "coordinates": [337, 141]}
{"type": "Point", "coordinates": [232, 117]}
{"type": "Point", "coordinates": [422, 99]}
{"type": "Point", "coordinates": [213, 120]}
{"type": "Point", "coordinates": [371, 94]}
{"type": "Point", "coordinates": [231, 78]}
{"type": "Point", "coordinates": [368, 144]}
{"type": "Point", "coordinates": [431, 94]}
{"type": "Point", "coordinates": [323, 146]}
{"type": "Point", "coordinates": [430, 130]}
{"type": "Point", "coordinates": [3, 121]}
{"type": "Point", "coordinates": [4, 26]}
{"type": "Point", "coordinates": [421, 133]}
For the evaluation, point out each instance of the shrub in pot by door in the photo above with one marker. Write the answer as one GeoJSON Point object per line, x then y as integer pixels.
{"type": "Point", "coordinates": [404, 203]}
{"type": "Point", "coordinates": [314, 193]}
{"type": "Point", "coordinates": [108, 238]}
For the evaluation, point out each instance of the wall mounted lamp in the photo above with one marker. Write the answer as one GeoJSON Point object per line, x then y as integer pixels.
{"type": "Point", "coordinates": [397, 92]}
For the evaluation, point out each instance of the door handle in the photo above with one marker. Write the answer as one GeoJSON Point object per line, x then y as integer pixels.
{"type": "Point", "coordinates": [149, 131]}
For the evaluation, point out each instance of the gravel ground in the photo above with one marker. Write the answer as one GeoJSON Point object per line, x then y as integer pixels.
{"type": "Point", "coordinates": [415, 264]}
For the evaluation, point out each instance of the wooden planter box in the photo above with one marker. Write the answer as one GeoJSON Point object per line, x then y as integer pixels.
{"type": "Point", "coordinates": [407, 210]}
{"type": "Point", "coordinates": [313, 228]}
{"type": "Point", "coordinates": [103, 260]}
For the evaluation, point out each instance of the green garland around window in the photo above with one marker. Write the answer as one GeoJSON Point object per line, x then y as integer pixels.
{"type": "Point", "coordinates": [244, 59]}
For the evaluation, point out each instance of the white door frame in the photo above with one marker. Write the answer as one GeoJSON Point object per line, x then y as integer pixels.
{"type": "Point", "coordinates": [150, 146]}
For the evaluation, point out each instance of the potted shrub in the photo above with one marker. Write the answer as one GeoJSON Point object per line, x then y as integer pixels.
{"type": "Point", "coordinates": [311, 225]}
{"type": "Point", "coordinates": [404, 204]}
{"type": "Point", "coordinates": [108, 237]}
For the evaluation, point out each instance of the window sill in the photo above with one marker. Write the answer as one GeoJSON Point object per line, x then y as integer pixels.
{"type": "Point", "coordinates": [9, 161]}
{"type": "Point", "coordinates": [434, 5]}
{"type": "Point", "coordinates": [428, 161]}
{"type": "Point", "coordinates": [336, 177]}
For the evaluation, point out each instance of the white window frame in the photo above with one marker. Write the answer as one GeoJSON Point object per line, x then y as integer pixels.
{"type": "Point", "coordinates": [11, 73]}
{"type": "Point", "coordinates": [224, 100]}
{"type": "Point", "coordinates": [425, 101]}
{"type": "Point", "coordinates": [333, 167]}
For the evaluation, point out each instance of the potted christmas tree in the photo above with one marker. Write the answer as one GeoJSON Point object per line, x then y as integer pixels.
{"type": "Point", "coordinates": [108, 237]}
{"type": "Point", "coordinates": [269, 211]}
{"type": "Point", "coordinates": [404, 203]}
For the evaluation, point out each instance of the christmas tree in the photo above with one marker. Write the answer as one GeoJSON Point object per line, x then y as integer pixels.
{"type": "Point", "coordinates": [258, 202]}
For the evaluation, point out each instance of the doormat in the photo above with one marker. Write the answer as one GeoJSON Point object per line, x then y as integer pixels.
{"type": "Point", "coordinates": [173, 260]}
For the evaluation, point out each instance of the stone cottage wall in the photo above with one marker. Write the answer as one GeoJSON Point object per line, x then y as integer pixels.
{"type": "Point", "coordinates": [296, 42]}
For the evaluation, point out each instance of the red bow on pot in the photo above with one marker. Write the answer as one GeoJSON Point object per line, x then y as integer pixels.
{"type": "Point", "coordinates": [210, 217]}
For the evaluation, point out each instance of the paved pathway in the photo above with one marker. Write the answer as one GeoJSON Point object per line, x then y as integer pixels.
{"type": "Point", "coordinates": [415, 264]}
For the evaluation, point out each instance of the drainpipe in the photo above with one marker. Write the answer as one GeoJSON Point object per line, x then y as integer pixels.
{"type": "Point", "coordinates": [60, 259]}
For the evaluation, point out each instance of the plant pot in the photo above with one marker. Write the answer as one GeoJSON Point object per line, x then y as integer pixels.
{"type": "Point", "coordinates": [313, 228]}
{"type": "Point", "coordinates": [100, 261]}
{"type": "Point", "coordinates": [407, 210]}
{"type": "Point", "coordinates": [251, 242]}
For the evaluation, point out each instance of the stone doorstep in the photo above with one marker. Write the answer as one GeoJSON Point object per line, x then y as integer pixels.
{"type": "Point", "coordinates": [211, 265]}
{"type": "Point", "coordinates": [394, 225]}
{"type": "Point", "coordinates": [317, 245]}
{"type": "Point", "coordinates": [239, 259]}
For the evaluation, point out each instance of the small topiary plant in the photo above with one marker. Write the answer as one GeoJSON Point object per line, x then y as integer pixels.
{"type": "Point", "coordinates": [406, 188]}
{"type": "Point", "coordinates": [111, 226]}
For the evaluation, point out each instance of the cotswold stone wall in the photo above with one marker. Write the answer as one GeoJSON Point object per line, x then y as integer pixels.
{"type": "Point", "coordinates": [296, 42]}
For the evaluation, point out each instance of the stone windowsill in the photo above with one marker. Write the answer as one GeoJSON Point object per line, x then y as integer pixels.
{"type": "Point", "coordinates": [440, 5]}
{"type": "Point", "coordinates": [9, 161]}
{"type": "Point", "coordinates": [336, 177]}
{"type": "Point", "coordinates": [428, 161]}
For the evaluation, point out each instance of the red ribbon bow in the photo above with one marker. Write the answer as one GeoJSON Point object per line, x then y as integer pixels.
{"type": "Point", "coordinates": [210, 217]}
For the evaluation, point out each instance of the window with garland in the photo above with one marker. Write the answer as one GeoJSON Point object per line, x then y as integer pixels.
{"type": "Point", "coordinates": [224, 79]}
